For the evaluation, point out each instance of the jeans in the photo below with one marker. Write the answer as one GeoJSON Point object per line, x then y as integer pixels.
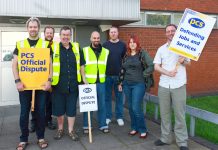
{"type": "Point", "coordinates": [101, 108]}
{"type": "Point", "coordinates": [134, 94]}
{"type": "Point", "coordinates": [112, 83]}
{"type": "Point", "coordinates": [48, 110]}
{"type": "Point", "coordinates": [25, 104]}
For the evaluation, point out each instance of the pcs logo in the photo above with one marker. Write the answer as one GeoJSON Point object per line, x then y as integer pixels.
{"type": "Point", "coordinates": [196, 22]}
{"type": "Point", "coordinates": [87, 90]}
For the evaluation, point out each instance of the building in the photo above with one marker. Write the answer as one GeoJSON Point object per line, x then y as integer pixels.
{"type": "Point", "coordinates": [155, 14]}
{"type": "Point", "coordinates": [84, 16]}
{"type": "Point", "coordinates": [145, 18]}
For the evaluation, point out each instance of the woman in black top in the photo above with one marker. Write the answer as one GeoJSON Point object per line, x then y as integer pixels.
{"type": "Point", "coordinates": [132, 81]}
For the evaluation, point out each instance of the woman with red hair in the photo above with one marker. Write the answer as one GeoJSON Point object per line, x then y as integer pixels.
{"type": "Point", "coordinates": [136, 64]}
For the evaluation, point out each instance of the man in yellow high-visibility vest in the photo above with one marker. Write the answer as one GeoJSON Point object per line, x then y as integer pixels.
{"type": "Point", "coordinates": [33, 41]}
{"type": "Point", "coordinates": [49, 35]}
{"type": "Point", "coordinates": [95, 68]}
{"type": "Point", "coordinates": [68, 66]}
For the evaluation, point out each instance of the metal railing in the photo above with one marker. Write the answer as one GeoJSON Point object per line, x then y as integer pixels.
{"type": "Point", "coordinates": [192, 111]}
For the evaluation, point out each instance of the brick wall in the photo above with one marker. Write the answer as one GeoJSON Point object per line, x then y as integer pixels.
{"type": "Point", "coordinates": [202, 75]}
{"type": "Point", "coordinates": [206, 6]}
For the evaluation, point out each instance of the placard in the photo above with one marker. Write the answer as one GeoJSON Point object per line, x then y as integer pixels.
{"type": "Point", "coordinates": [88, 98]}
{"type": "Point", "coordinates": [192, 34]}
{"type": "Point", "coordinates": [34, 67]}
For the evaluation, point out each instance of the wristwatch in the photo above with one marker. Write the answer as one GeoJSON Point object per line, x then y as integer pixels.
{"type": "Point", "coordinates": [17, 80]}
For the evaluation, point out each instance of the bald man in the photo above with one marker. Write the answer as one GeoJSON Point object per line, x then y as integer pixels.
{"type": "Point", "coordinates": [95, 68]}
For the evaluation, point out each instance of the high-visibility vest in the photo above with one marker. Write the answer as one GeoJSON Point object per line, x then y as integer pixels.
{"type": "Point", "coordinates": [94, 65]}
{"type": "Point", "coordinates": [56, 62]}
{"type": "Point", "coordinates": [25, 44]}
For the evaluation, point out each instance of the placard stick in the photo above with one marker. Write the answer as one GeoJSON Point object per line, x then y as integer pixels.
{"type": "Point", "coordinates": [177, 66]}
{"type": "Point", "coordinates": [33, 100]}
{"type": "Point", "coordinates": [90, 130]}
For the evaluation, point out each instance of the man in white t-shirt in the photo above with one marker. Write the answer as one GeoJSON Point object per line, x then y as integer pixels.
{"type": "Point", "coordinates": [172, 92]}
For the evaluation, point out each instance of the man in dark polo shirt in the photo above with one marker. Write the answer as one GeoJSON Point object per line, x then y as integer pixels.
{"type": "Point", "coordinates": [68, 65]}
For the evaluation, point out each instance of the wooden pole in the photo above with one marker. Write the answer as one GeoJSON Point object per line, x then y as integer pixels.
{"type": "Point", "coordinates": [177, 66]}
{"type": "Point", "coordinates": [90, 130]}
{"type": "Point", "coordinates": [33, 100]}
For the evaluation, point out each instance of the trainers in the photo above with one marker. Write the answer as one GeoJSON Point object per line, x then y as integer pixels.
{"type": "Point", "coordinates": [59, 134]}
{"type": "Point", "coordinates": [74, 136]}
{"type": "Point", "coordinates": [108, 121]}
{"type": "Point", "coordinates": [183, 148]}
{"type": "Point", "coordinates": [120, 122]}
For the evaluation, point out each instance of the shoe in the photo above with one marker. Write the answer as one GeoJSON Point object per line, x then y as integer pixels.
{"type": "Point", "coordinates": [73, 136]}
{"type": "Point", "coordinates": [108, 121]}
{"type": "Point", "coordinates": [51, 125]}
{"type": "Point", "coordinates": [32, 127]}
{"type": "Point", "coordinates": [183, 148]}
{"type": "Point", "coordinates": [85, 131]}
{"type": "Point", "coordinates": [143, 135]}
{"type": "Point", "coordinates": [159, 143]}
{"type": "Point", "coordinates": [59, 134]}
{"type": "Point", "coordinates": [120, 122]}
{"type": "Point", "coordinates": [132, 133]}
{"type": "Point", "coordinates": [22, 145]}
{"type": "Point", "coordinates": [105, 130]}
{"type": "Point", "coordinates": [42, 143]}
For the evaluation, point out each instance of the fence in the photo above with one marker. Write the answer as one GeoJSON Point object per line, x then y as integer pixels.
{"type": "Point", "coordinates": [192, 111]}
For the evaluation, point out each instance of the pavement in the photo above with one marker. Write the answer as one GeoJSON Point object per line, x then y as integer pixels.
{"type": "Point", "coordinates": [117, 139]}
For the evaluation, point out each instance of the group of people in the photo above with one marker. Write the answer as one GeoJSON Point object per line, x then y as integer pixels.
{"type": "Point", "coordinates": [113, 66]}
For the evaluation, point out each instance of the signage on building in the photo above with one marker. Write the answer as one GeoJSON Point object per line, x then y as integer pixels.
{"type": "Point", "coordinates": [88, 98]}
{"type": "Point", "coordinates": [34, 67]}
{"type": "Point", "coordinates": [192, 34]}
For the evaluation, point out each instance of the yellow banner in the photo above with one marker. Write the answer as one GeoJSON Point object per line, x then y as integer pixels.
{"type": "Point", "coordinates": [34, 67]}
{"type": "Point", "coordinates": [181, 52]}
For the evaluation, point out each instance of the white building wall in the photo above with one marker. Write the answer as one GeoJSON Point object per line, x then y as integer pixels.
{"type": "Point", "coordinates": [85, 9]}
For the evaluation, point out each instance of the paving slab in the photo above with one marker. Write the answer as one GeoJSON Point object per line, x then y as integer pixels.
{"type": "Point", "coordinates": [117, 139]}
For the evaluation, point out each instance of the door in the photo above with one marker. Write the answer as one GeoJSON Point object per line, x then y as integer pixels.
{"type": "Point", "coordinates": [8, 38]}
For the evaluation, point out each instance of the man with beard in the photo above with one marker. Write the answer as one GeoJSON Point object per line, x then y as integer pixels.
{"type": "Point", "coordinates": [95, 68]}
{"type": "Point", "coordinates": [33, 41]}
{"type": "Point", "coordinates": [49, 35]}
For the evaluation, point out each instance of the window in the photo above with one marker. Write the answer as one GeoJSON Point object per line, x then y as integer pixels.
{"type": "Point", "coordinates": [157, 19]}
{"type": "Point", "coordinates": [142, 20]}
{"type": "Point", "coordinates": [161, 19]}
{"type": "Point", "coordinates": [9, 40]}
{"type": "Point", "coordinates": [215, 25]}
{"type": "Point", "coordinates": [176, 18]}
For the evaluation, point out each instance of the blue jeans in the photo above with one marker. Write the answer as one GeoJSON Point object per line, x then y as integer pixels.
{"type": "Point", "coordinates": [25, 104]}
{"type": "Point", "coordinates": [48, 110]}
{"type": "Point", "coordinates": [112, 83]}
{"type": "Point", "coordinates": [101, 108]}
{"type": "Point", "coordinates": [134, 94]}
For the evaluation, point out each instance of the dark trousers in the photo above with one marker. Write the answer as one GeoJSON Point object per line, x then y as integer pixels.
{"type": "Point", "coordinates": [48, 110]}
{"type": "Point", "coordinates": [25, 104]}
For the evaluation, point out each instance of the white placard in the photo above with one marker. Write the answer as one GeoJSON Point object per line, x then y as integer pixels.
{"type": "Point", "coordinates": [88, 98]}
{"type": "Point", "coordinates": [192, 34]}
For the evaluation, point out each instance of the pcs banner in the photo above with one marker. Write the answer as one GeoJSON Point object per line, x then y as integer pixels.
{"type": "Point", "coordinates": [192, 34]}
{"type": "Point", "coordinates": [34, 67]}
